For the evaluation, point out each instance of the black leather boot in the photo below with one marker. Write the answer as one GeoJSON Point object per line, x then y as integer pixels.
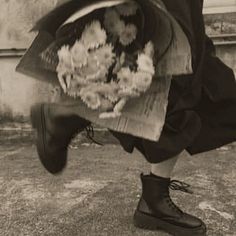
{"type": "Point", "coordinates": [54, 134]}
{"type": "Point", "coordinates": [156, 210]}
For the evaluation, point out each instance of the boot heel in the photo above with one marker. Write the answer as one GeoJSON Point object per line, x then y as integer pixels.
{"type": "Point", "coordinates": [144, 221]}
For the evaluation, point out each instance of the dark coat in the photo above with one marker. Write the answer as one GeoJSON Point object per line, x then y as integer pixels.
{"type": "Point", "coordinates": [202, 107]}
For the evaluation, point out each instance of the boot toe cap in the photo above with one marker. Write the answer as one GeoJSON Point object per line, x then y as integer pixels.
{"type": "Point", "coordinates": [192, 221]}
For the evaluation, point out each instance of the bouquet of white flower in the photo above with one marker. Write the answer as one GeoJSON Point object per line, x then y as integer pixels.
{"type": "Point", "coordinates": [101, 53]}
{"type": "Point", "coordinates": [94, 68]}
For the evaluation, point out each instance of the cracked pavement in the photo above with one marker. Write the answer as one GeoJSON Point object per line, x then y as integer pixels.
{"type": "Point", "coordinates": [99, 190]}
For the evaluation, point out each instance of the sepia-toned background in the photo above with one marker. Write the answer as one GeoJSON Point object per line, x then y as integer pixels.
{"type": "Point", "coordinates": [99, 190]}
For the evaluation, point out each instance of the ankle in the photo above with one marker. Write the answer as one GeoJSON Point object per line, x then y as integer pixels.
{"type": "Point", "coordinates": [164, 178]}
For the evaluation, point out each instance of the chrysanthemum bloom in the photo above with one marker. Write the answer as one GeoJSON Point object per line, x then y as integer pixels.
{"type": "Point", "coordinates": [91, 99]}
{"type": "Point", "coordinates": [101, 76]}
{"type": "Point", "coordinates": [112, 22]}
{"type": "Point", "coordinates": [112, 97]}
{"type": "Point", "coordinates": [127, 9]}
{"type": "Point", "coordinates": [109, 115]}
{"type": "Point", "coordinates": [93, 35]}
{"type": "Point", "coordinates": [75, 86]}
{"type": "Point", "coordinates": [128, 92]}
{"type": "Point", "coordinates": [79, 55]}
{"type": "Point", "coordinates": [149, 49]}
{"type": "Point", "coordinates": [120, 105]}
{"type": "Point", "coordinates": [119, 63]}
{"type": "Point", "coordinates": [105, 55]}
{"type": "Point", "coordinates": [145, 64]}
{"type": "Point", "coordinates": [64, 80]}
{"type": "Point", "coordinates": [91, 70]}
{"type": "Point", "coordinates": [128, 35]}
{"type": "Point", "coordinates": [106, 104]}
{"type": "Point", "coordinates": [125, 77]}
{"type": "Point", "coordinates": [142, 81]}
{"type": "Point", "coordinates": [80, 80]}
{"type": "Point", "coordinates": [111, 92]}
{"type": "Point", "coordinates": [105, 89]}
{"type": "Point", "coordinates": [65, 58]}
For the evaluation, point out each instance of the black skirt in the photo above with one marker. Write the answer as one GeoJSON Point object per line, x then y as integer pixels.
{"type": "Point", "coordinates": [201, 113]}
{"type": "Point", "coordinates": [209, 124]}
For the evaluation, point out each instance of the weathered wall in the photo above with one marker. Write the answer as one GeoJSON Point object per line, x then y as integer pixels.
{"type": "Point", "coordinates": [18, 92]}
{"type": "Point", "coordinates": [219, 6]}
{"type": "Point", "coordinates": [222, 23]}
{"type": "Point", "coordinates": [17, 18]}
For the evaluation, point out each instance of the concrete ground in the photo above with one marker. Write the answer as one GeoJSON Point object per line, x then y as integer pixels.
{"type": "Point", "coordinates": [98, 192]}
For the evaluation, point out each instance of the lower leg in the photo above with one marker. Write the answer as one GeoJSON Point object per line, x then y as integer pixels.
{"type": "Point", "coordinates": [165, 168]}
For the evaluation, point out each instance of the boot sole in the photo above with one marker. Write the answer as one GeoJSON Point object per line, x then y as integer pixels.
{"type": "Point", "coordinates": [144, 221]}
{"type": "Point", "coordinates": [38, 123]}
{"type": "Point", "coordinates": [52, 165]}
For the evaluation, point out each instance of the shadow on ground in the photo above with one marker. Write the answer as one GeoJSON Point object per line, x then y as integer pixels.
{"type": "Point", "coordinates": [98, 191]}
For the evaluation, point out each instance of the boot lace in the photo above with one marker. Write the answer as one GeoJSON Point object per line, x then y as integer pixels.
{"type": "Point", "coordinates": [179, 186]}
{"type": "Point", "coordinates": [90, 135]}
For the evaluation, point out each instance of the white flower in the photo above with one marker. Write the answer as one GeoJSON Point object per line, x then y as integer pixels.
{"type": "Point", "coordinates": [109, 115]}
{"type": "Point", "coordinates": [71, 84]}
{"type": "Point", "coordinates": [112, 22]}
{"type": "Point", "coordinates": [120, 105]}
{"type": "Point", "coordinates": [105, 89]}
{"type": "Point", "coordinates": [128, 35]}
{"type": "Point", "coordinates": [128, 92]}
{"type": "Point", "coordinates": [104, 55]}
{"type": "Point", "coordinates": [79, 54]}
{"type": "Point", "coordinates": [62, 69]}
{"type": "Point", "coordinates": [91, 99]}
{"type": "Point", "coordinates": [142, 81]}
{"type": "Point", "coordinates": [145, 64]}
{"type": "Point", "coordinates": [119, 63]}
{"type": "Point", "coordinates": [111, 92]}
{"type": "Point", "coordinates": [125, 77]}
{"type": "Point", "coordinates": [64, 80]}
{"type": "Point", "coordinates": [111, 15]}
{"type": "Point", "coordinates": [127, 9]}
{"type": "Point", "coordinates": [149, 49]}
{"type": "Point", "coordinates": [91, 70]}
{"type": "Point", "coordinates": [94, 36]}
{"type": "Point", "coordinates": [65, 59]}
{"type": "Point", "coordinates": [74, 89]}
{"type": "Point", "coordinates": [79, 80]}
{"type": "Point", "coordinates": [112, 97]}
{"type": "Point", "coordinates": [102, 74]}
{"type": "Point", "coordinates": [106, 104]}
